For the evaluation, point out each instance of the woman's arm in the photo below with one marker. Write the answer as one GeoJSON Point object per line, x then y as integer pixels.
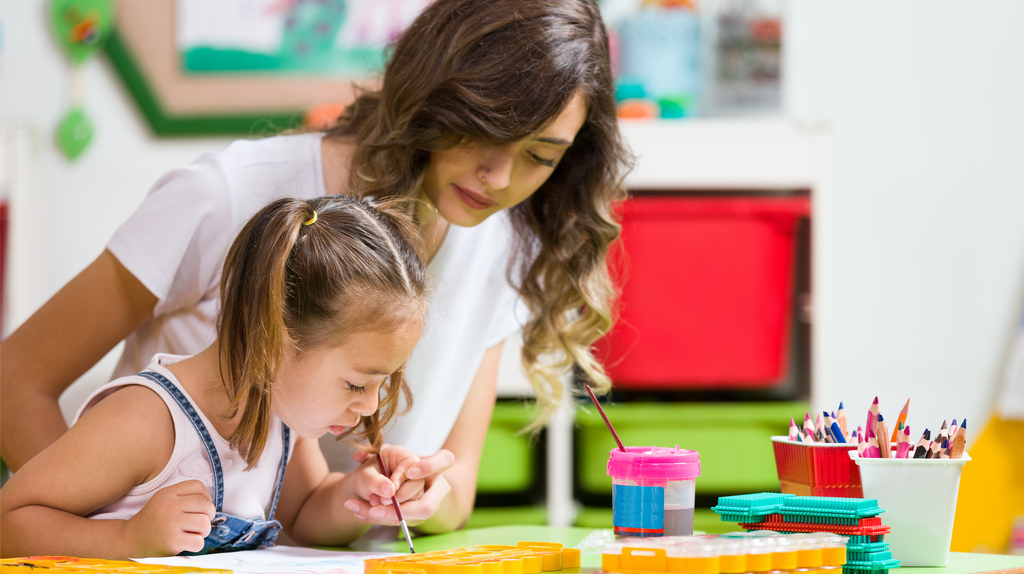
{"type": "Point", "coordinates": [466, 442]}
{"type": "Point", "coordinates": [56, 345]}
{"type": "Point", "coordinates": [124, 441]}
{"type": "Point", "coordinates": [313, 505]}
{"type": "Point", "coordinates": [450, 474]}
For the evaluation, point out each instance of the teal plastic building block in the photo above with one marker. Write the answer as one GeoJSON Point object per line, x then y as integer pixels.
{"type": "Point", "coordinates": [865, 546]}
{"type": "Point", "coordinates": [877, 567]}
{"type": "Point", "coordinates": [750, 507]}
{"type": "Point", "coordinates": [828, 510]}
{"type": "Point", "coordinates": [880, 556]}
{"type": "Point", "coordinates": [865, 540]}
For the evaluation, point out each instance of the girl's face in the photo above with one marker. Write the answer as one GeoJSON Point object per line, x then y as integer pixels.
{"type": "Point", "coordinates": [329, 389]}
{"type": "Point", "coordinates": [470, 182]}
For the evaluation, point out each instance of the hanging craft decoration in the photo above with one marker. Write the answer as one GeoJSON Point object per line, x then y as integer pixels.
{"type": "Point", "coordinates": [81, 28]}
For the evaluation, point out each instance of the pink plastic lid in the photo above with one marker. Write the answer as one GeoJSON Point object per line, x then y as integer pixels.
{"type": "Point", "coordinates": [652, 462]}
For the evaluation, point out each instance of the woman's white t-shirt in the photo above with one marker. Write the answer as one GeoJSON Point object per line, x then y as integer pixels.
{"type": "Point", "coordinates": [176, 241]}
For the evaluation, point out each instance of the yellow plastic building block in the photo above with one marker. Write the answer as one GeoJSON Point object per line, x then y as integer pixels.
{"type": "Point", "coordinates": [524, 558]}
{"type": "Point", "coordinates": [70, 565]}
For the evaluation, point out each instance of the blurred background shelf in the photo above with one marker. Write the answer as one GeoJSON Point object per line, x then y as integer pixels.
{"type": "Point", "coordinates": [697, 166]}
{"type": "Point", "coordinates": [724, 154]}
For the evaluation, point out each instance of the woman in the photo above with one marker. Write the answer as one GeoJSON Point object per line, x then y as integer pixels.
{"type": "Point", "coordinates": [500, 116]}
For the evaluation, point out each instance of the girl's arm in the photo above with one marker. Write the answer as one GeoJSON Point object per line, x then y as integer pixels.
{"type": "Point", "coordinates": [124, 441]}
{"type": "Point", "coordinates": [312, 508]}
{"type": "Point", "coordinates": [56, 345]}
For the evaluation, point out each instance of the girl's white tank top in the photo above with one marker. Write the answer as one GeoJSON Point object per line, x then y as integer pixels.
{"type": "Point", "coordinates": [247, 494]}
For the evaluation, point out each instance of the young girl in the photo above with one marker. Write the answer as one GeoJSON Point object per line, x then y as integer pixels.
{"type": "Point", "coordinates": [323, 301]}
{"type": "Point", "coordinates": [500, 115]}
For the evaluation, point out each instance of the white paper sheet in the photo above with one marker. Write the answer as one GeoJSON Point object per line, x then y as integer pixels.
{"type": "Point", "coordinates": [276, 560]}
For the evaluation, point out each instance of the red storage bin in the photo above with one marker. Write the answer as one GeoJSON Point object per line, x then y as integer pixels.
{"type": "Point", "coordinates": [816, 469]}
{"type": "Point", "coordinates": [706, 292]}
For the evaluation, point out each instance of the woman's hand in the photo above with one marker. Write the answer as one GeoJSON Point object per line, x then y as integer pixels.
{"type": "Point", "coordinates": [418, 482]}
{"type": "Point", "coordinates": [177, 518]}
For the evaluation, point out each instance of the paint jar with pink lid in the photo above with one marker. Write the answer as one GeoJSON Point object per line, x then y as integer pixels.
{"type": "Point", "coordinates": [653, 490]}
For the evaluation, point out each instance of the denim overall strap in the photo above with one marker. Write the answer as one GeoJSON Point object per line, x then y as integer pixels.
{"type": "Point", "coordinates": [229, 532]}
{"type": "Point", "coordinates": [186, 406]}
{"type": "Point", "coordinates": [280, 473]}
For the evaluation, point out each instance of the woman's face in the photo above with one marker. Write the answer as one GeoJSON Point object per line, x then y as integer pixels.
{"type": "Point", "coordinates": [470, 182]}
{"type": "Point", "coordinates": [329, 390]}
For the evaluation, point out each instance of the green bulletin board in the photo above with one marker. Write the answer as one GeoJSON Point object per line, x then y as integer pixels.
{"type": "Point", "coordinates": [188, 84]}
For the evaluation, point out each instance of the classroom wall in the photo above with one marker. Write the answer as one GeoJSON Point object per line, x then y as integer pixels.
{"type": "Point", "coordinates": [921, 278]}
{"type": "Point", "coordinates": [922, 274]}
{"type": "Point", "coordinates": [64, 212]}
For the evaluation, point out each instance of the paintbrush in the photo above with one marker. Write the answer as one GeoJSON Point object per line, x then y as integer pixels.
{"type": "Point", "coordinates": [398, 509]}
{"type": "Point", "coordinates": [590, 391]}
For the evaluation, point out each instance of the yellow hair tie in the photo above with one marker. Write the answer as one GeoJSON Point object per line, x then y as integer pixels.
{"type": "Point", "coordinates": [312, 220]}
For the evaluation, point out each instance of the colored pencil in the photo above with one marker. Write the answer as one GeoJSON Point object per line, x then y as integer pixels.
{"type": "Point", "coordinates": [943, 433]}
{"type": "Point", "coordinates": [842, 418]}
{"type": "Point", "coordinates": [819, 426]}
{"type": "Point", "coordinates": [922, 445]}
{"type": "Point", "coordinates": [827, 423]}
{"type": "Point", "coordinates": [900, 419]}
{"type": "Point", "coordinates": [872, 451]}
{"type": "Point", "coordinates": [944, 453]}
{"type": "Point", "coordinates": [837, 433]}
{"type": "Point", "coordinates": [882, 432]}
{"type": "Point", "coordinates": [957, 450]}
{"type": "Point", "coordinates": [808, 428]}
{"type": "Point", "coordinates": [903, 446]}
{"type": "Point", "coordinates": [952, 430]}
{"type": "Point", "coordinates": [935, 449]}
{"type": "Point", "coordinates": [590, 391]}
{"type": "Point", "coordinates": [862, 446]}
{"type": "Point", "coordinates": [871, 444]}
{"type": "Point", "coordinates": [872, 415]}
{"type": "Point", "coordinates": [794, 433]}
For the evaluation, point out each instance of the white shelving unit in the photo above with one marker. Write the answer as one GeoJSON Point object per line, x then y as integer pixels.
{"type": "Point", "coordinates": [700, 155]}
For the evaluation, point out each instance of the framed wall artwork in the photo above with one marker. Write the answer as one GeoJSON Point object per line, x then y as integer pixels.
{"type": "Point", "coordinates": [249, 67]}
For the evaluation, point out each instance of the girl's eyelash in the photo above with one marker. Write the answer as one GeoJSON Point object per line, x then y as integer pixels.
{"type": "Point", "coordinates": [542, 161]}
{"type": "Point", "coordinates": [356, 389]}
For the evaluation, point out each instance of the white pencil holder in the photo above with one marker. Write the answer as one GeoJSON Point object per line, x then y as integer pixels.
{"type": "Point", "coordinates": [919, 499]}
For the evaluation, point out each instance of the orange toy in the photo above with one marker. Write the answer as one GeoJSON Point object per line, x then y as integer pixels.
{"type": "Point", "coordinates": [525, 558]}
{"type": "Point", "coordinates": [70, 565]}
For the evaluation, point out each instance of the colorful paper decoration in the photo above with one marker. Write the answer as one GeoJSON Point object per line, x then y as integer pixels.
{"type": "Point", "coordinates": [81, 28]}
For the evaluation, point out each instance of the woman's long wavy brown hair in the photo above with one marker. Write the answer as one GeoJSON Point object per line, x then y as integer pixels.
{"type": "Point", "coordinates": [497, 72]}
{"type": "Point", "coordinates": [353, 267]}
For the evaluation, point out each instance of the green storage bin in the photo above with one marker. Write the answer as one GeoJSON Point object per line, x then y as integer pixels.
{"type": "Point", "coordinates": [732, 438]}
{"type": "Point", "coordinates": [504, 516]}
{"type": "Point", "coordinates": [507, 463]}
